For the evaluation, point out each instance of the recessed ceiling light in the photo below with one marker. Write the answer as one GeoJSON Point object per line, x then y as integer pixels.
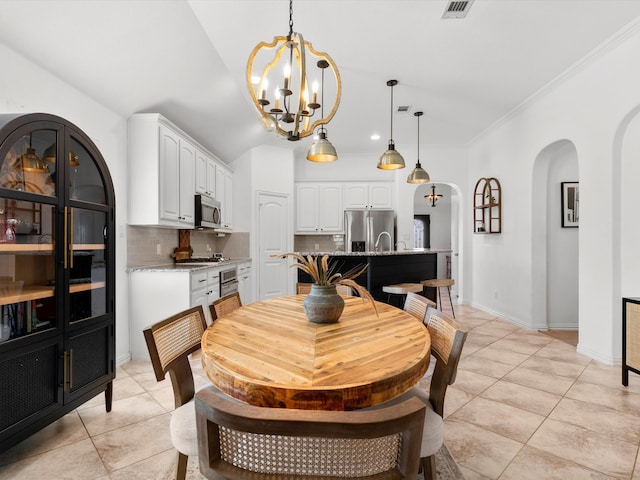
{"type": "Point", "coordinates": [375, 136]}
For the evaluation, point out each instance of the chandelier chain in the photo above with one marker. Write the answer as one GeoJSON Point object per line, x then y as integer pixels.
{"type": "Point", "coordinates": [290, 18]}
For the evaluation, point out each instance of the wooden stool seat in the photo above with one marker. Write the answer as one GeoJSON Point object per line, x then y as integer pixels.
{"type": "Point", "coordinates": [401, 289]}
{"type": "Point", "coordinates": [439, 283]}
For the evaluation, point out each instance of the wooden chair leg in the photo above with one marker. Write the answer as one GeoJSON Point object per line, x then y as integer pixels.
{"type": "Point", "coordinates": [181, 472]}
{"type": "Point", "coordinates": [428, 465]}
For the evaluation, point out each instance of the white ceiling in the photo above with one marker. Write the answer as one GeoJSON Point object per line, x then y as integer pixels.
{"type": "Point", "coordinates": [187, 60]}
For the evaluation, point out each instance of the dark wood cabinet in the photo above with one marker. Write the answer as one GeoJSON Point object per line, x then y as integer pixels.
{"type": "Point", "coordinates": [57, 273]}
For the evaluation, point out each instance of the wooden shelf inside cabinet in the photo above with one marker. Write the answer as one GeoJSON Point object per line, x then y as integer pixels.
{"type": "Point", "coordinates": [36, 292]}
{"type": "Point", "coordinates": [88, 246]}
{"type": "Point", "coordinates": [26, 247]}
{"type": "Point", "coordinates": [487, 206]}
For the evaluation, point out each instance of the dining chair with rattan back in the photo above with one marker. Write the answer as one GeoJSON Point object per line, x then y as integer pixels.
{"type": "Point", "coordinates": [447, 339]}
{"type": "Point", "coordinates": [170, 342]}
{"type": "Point", "coordinates": [237, 441]}
{"type": "Point", "coordinates": [417, 305]}
{"type": "Point", "coordinates": [224, 305]}
{"type": "Point", "coordinates": [302, 288]}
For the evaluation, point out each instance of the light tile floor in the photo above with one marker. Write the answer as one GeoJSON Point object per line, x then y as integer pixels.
{"type": "Point", "coordinates": [524, 406]}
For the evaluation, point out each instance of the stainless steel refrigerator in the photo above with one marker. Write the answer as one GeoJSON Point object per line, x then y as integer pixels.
{"type": "Point", "coordinates": [363, 228]}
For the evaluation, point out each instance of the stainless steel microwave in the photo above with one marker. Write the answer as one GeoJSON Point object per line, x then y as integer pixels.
{"type": "Point", "coordinates": [207, 212]}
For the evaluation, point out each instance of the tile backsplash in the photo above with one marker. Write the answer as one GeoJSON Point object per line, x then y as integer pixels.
{"type": "Point", "coordinates": [318, 243]}
{"type": "Point", "coordinates": [144, 243]}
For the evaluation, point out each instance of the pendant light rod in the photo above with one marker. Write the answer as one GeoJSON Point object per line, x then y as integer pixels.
{"type": "Point", "coordinates": [418, 174]}
{"type": "Point", "coordinates": [391, 159]}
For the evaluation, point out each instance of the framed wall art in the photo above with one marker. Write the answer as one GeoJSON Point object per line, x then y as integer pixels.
{"type": "Point", "coordinates": [570, 204]}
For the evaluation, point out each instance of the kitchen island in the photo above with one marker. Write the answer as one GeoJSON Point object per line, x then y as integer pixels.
{"type": "Point", "coordinates": [385, 268]}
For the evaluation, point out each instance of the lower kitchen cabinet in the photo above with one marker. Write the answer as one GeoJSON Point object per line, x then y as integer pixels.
{"type": "Point", "coordinates": [245, 283]}
{"type": "Point", "coordinates": [57, 281]}
{"type": "Point", "coordinates": [158, 293]}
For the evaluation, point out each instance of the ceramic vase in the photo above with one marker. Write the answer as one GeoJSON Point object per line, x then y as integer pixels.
{"type": "Point", "coordinates": [323, 304]}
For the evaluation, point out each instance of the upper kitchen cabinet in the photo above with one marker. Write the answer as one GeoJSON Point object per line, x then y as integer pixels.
{"type": "Point", "coordinates": [162, 163]}
{"type": "Point", "coordinates": [319, 208]}
{"type": "Point", "coordinates": [205, 174]}
{"type": "Point", "coordinates": [57, 273]}
{"type": "Point", "coordinates": [224, 193]}
{"type": "Point", "coordinates": [368, 195]}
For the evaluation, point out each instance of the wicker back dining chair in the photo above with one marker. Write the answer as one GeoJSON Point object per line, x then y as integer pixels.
{"type": "Point", "coordinates": [239, 441]}
{"type": "Point", "coordinates": [447, 339]}
{"type": "Point", "coordinates": [417, 305]}
{"type": "Point", "coordinates": [224, 305]}
{"type": "Point", "coordinates": [344, 290]}
{"type": "Point", "coordinates": [170, 342]}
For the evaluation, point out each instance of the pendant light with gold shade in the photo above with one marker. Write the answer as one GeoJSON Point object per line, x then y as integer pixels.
{"type": "Point", "coordinates": [391, 159]}
{"type": "Point", "coordinates": [418, 174]}
{"type": "Point", "coordinates": [322, 150]}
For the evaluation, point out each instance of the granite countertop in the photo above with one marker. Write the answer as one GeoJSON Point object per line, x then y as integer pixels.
{"type": "Point", "coordinates": [187, 267]}
{"type": "Point", "coordinates": [415, 251]}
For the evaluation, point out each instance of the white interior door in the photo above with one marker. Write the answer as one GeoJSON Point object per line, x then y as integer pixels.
{"type": "Point", "coordinates": [274, 237]}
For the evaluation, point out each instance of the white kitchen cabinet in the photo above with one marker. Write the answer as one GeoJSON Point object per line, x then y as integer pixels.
{"type": "Point", "coordinates": [319, 208]}
{"type": "Point", "coordinates": [224, 194]}
{"type": "Point", "coordinates": [161, 173]}
{"type": "Point", "coordinates": [245, 283]}
{"type": "Point", "coordinates": [205, 181]}
{"type": "Point", "coordinates": [158, 294]}
{"type": "Point", "coordinates": [368, 195]}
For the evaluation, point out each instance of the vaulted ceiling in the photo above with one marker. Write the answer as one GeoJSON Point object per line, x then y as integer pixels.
{"type": "Point", "coordinates": [187, 60]}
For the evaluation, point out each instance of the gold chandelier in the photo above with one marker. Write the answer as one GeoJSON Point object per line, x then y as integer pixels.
{"type": "Point", "coordinates": [282, 64]}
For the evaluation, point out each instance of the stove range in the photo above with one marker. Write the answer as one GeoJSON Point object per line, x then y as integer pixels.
{"type": "Point", "coordinates": [215, 258]}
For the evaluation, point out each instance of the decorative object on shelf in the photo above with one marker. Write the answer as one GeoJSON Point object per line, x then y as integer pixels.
{"type": "Point", "coordinates": [487, 206]}
{"type": "Point", "coordinates": [322, 150]}
{"type": "Point", "coordinates": [570, 204]}
{"type": "Point", "coordinates": [391, 159]}
{"type": "Point", "coordinates": [50, 156]}
{"type": "Point", "coordinates": [323, 304]}
{"type": "Point", "coordinates": [418, 174]}
{"type": "Point", "coordinates": [293, 109]}
{"type": "Point", "coordinates": [433, 198]}
{"type": "Point", "coordinates": [31, 162]}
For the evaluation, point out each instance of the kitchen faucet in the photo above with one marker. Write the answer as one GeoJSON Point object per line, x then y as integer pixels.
{"type": "Point", "coordinates": [378, 240]}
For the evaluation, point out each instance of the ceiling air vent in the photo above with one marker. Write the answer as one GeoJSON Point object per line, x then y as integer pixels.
{"type": "Point", "coordinates": [457, 9]}
{"type": "Point", "coordinates": [403, 108]}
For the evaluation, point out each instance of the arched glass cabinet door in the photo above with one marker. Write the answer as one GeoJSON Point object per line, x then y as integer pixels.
{"type": "Point", "coordinates": [28, 231]}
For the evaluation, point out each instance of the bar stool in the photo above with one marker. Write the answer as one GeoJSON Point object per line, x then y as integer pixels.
{"type": "Point", "coordinates": [439, 283]}
{"type": "Point", "coordinates": [401, 289]}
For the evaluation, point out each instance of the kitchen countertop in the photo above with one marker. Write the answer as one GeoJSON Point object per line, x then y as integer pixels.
{"type": "Point", "coordinates": [415, 251]}
{"type": "Point", "coordinates": [187, 267]}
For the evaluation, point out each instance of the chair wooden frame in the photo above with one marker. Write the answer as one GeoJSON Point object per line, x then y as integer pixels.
{"type": "Point", "coordinates": [215, 412]}
{"type": "Point", "coordinates": [447, 339]}
{"type": "Point", "coordinates": [417, 305]}
{"type": "Point", "coordinates": [170, 342]}
{"type": "Point", "coordinates": [224, 305]}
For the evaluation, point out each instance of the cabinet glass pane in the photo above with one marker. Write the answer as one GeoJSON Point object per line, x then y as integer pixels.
{"type": "Point", "coordinates": [87, 277]}
{"type": "Point", "coordinates": [27, 268]}
{"type": "Point", "coordinates": [85, 181]}
{"type": "Point", "coordinates": [29, 164]}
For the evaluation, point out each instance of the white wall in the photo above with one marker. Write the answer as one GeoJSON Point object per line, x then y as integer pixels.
{"type": "Point", "coordinates": [586, 108]}
{"type": "Point", "coordinates": [26, 88]}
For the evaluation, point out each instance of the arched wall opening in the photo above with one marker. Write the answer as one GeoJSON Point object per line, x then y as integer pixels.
{"type": "Point", "coordinates": [555, 258]}
{"type": "Point", "coordinates": [446, 229]}
{"type": "Point", "coordinates": [625, 219]}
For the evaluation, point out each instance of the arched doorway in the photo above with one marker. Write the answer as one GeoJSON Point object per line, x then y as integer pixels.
{"type": "Point", "coordinates": [445, 230]}
{"type": "Point", "coordinates": [554, 246]}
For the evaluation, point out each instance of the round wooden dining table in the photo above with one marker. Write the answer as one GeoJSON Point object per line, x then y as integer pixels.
{"type": "Point", "coordinates": [268, 354]}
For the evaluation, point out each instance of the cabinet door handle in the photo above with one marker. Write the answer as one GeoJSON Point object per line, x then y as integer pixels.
{"type": "Point", "coordinates": [71, 241]}
{"type": "Point", "coordinates": [65, 237]}
{"type": "Point", "coordinates": [70, 368]}
{"type": "Point", "coordinates": [64, 370]}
